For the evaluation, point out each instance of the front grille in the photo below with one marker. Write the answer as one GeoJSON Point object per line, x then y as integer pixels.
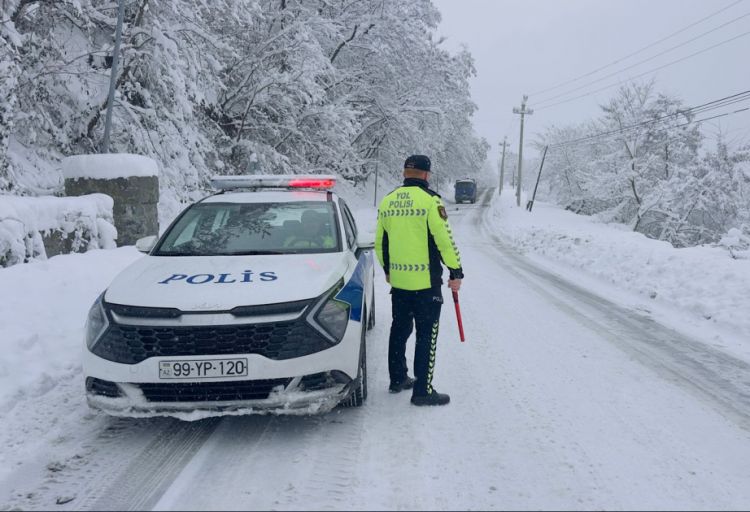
{"type": "Point", "coordinates": [211, 391]}
{"type": "Point", "coordinates": [102, 387]}
{"type": "Point", "coordinates": [130, 344]}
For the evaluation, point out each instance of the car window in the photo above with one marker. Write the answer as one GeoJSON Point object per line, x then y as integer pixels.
{"type": "Point", "coordinates": [351, 234]}
{"type": "Point", "coordinates": [189, 230]}
{"type": "Point", "coordinates": [349, 215]}
{"type": "Point", "coordinates": [213, 229]}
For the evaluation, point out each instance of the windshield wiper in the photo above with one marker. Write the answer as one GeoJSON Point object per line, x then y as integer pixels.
{"type": "Point", "coordinates": [173, 253]}
{"type": "Point", "coordinates": [244, 253]}
{"type": "Point", "coordinates": [254, 253]}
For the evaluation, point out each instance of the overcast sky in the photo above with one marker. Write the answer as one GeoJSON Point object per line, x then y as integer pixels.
{"type": "Point", "coordinates": [526, 46]}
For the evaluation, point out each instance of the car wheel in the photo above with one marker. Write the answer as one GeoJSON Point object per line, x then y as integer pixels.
{"type": "Point", "coordinates": [371, 316]}
{"type": "Point", "coordinates": [359, 395]}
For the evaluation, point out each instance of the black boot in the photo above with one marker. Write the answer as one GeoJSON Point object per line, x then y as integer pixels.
{"type": "Point", "coordinates": [432, 398]}
{"type": "Point", "coordinates": [397, 387]}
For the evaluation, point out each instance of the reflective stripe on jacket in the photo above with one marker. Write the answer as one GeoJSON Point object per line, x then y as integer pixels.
{"type": "Point", "coordinates": [412, 238]}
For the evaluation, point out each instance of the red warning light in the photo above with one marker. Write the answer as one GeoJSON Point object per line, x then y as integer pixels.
{"type": "Point", "coordinates": [311, 183]}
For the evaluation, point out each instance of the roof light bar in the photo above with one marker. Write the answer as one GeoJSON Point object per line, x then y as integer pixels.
{"type": "Point", "coordinates": [308, 181]}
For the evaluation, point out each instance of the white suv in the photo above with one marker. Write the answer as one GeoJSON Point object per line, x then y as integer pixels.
{"type": "Point", "coordinates": [255, 299]}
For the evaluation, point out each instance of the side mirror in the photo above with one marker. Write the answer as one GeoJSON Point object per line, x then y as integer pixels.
{"type": "Point", "coordinates": [146, 244]}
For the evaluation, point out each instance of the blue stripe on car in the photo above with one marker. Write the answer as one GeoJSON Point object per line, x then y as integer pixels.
{"type": "Point", "coordinates": [352, 292]}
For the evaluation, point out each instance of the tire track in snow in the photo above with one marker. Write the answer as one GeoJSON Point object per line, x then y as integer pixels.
{"type": "Point", "coordinates": [276, 462]}
{"type": "Point", "coordinates": [330, 468]}
{"type": "Point", "coordinates": [127, 466]}
{"type": "Point", "coordinates": [148, 476]}
{"type": "Point", "coordinates": [235, 443]}
{"type": "Point", "coordinates": [716, 377]}
{"type": "Point", "coordinates": [87, 450]}
{"type": "Point", "coordinates": [569, 465]}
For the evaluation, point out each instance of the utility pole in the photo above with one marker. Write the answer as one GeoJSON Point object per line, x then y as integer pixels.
{"type": "Point", "coordinates": [502, 167]}
{"type": "Point", "coordinates": [530, 204]}
{"type": "Point", "coordinates": [113, 76]}
{"type": "Point", "coordinates": [523, 111]}
{"type": "Point", "coordinates": [377, 162]}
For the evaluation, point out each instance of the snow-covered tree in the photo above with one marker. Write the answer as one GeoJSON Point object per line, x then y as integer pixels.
{"type": "Point", "coordinates": [649, 170]}
{"type": "Point", "coordinates": [657, 137]}
{"type": "Point", "coordinates": [8, 100]}
{"type": "Point", "coordinates": [208, 86]}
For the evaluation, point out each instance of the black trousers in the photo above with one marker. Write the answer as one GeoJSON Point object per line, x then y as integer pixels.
{"type": "Point", "coordinates": [419, 308]}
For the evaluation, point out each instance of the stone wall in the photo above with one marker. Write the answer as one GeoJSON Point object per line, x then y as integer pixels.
{"type": "Point", "coordinates": [135, 203]}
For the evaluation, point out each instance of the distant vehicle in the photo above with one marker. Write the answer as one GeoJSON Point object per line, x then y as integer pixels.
{"type": "Point", "coordinates": [466, 190]}
{"type": "Point", "coordinates": [255, 299]}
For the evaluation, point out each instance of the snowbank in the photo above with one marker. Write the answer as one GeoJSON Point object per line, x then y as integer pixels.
{"type": "Point", "coordinates": [704, 281]}
{"type": "Point", "coordinates": [42, 319]}
{"type": "Point", "coordinates": [108, 166]}
{"type": "Point", "coordinates": [77, 223]}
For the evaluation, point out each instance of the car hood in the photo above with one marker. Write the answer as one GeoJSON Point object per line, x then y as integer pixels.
{"type": "Point", "coordinates": [220, 283]}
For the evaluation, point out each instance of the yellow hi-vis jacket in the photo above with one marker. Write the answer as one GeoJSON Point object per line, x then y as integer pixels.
{"type": "Point", "coordinates": [413, 237]}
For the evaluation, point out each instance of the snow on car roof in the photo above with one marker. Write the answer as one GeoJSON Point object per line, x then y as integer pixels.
{"type": "Point", "coordinates": [268, 196]}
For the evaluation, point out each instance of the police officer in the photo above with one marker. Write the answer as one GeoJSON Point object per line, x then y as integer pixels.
{"type": "Point", "coordinates": [412, 238]}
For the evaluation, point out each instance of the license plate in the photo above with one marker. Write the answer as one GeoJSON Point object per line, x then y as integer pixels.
{"type": "Point", "coordinates": [205, 369]}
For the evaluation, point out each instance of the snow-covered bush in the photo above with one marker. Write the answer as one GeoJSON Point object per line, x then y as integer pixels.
{"type": "Point", "coordinates": [71, 224]}
{"type": "Point", "coordinates": [737, 242]}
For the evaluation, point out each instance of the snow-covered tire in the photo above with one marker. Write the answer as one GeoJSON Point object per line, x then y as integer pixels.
{"type": "Point", "coordinates": [371, 315]}
{"type": "Point", "coordinates": [359, 395]}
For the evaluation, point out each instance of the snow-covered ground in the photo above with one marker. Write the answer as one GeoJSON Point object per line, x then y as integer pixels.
{"type": "Point", "coordinates": [699, 289]}
{"type": "Point", "coordinates": [568, 394]}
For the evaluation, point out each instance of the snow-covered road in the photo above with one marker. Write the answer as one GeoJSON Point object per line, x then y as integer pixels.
{"type": "Point", "coordinates": [560, 400]}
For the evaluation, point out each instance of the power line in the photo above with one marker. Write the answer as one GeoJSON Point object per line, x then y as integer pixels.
{"type": "Point", "coordinates": [745, 129]}
{"type": "Point", "coordinates": [638, 51]}
{"type": "Point", "coordinates": [711, 105]}
{"type": "Point", "coordinates": [595, 137]}
{"type": "Point", "coordinates": [645, 72]}
{"type": "Point", "coordinates": [594, 142]}
{"type": "Point", "coordinates": [643, 61]}
{"type": "Point", "coordinates": [706, 107]}
{"type": "Point", "coordinates": [716, 116]}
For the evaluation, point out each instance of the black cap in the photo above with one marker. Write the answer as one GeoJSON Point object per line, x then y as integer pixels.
{"type": "Point", "coordinates": [419, 162]}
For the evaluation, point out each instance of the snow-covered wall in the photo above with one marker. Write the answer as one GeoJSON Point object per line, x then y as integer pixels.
{"type": "Point", "coordinates": [132, 181]}
{"type": "Point", "coordinates": [108, 166]}
{"type": "Point", "coordinates": [39, 227]}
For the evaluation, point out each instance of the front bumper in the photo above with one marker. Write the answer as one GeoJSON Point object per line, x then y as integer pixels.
{"type": "Point", "coordinates": [311, 394]}
{"type": "Point", "coordinates": [271, 386]}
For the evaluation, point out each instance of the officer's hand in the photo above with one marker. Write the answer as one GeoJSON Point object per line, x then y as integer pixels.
{"type": "Point", "coordinates": [454, 284]}
{"type": "Point", "coordinates": [388, 278]}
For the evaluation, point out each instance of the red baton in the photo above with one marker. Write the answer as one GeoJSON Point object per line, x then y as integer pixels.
{"type": "Point", "coordinates": [458, 316]}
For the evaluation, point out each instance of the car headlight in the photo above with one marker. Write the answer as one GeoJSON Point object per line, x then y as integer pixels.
{"type": "Point", "coordinates": [330, 316]}
{"type": "Point", "coordinates": [96, 323]}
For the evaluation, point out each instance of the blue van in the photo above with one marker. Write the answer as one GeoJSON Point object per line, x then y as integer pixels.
{"type": "Point", "coordinates": [466, 190]}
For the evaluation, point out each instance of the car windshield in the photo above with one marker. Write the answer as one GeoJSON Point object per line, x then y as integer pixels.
{"type": "Point", "coordinates": [464, 187]}
{"type": "Point", "coordinates": [228, 229]}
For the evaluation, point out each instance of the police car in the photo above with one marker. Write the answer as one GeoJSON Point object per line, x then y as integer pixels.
{"type": "Point", "coordinates": [255, 299]}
